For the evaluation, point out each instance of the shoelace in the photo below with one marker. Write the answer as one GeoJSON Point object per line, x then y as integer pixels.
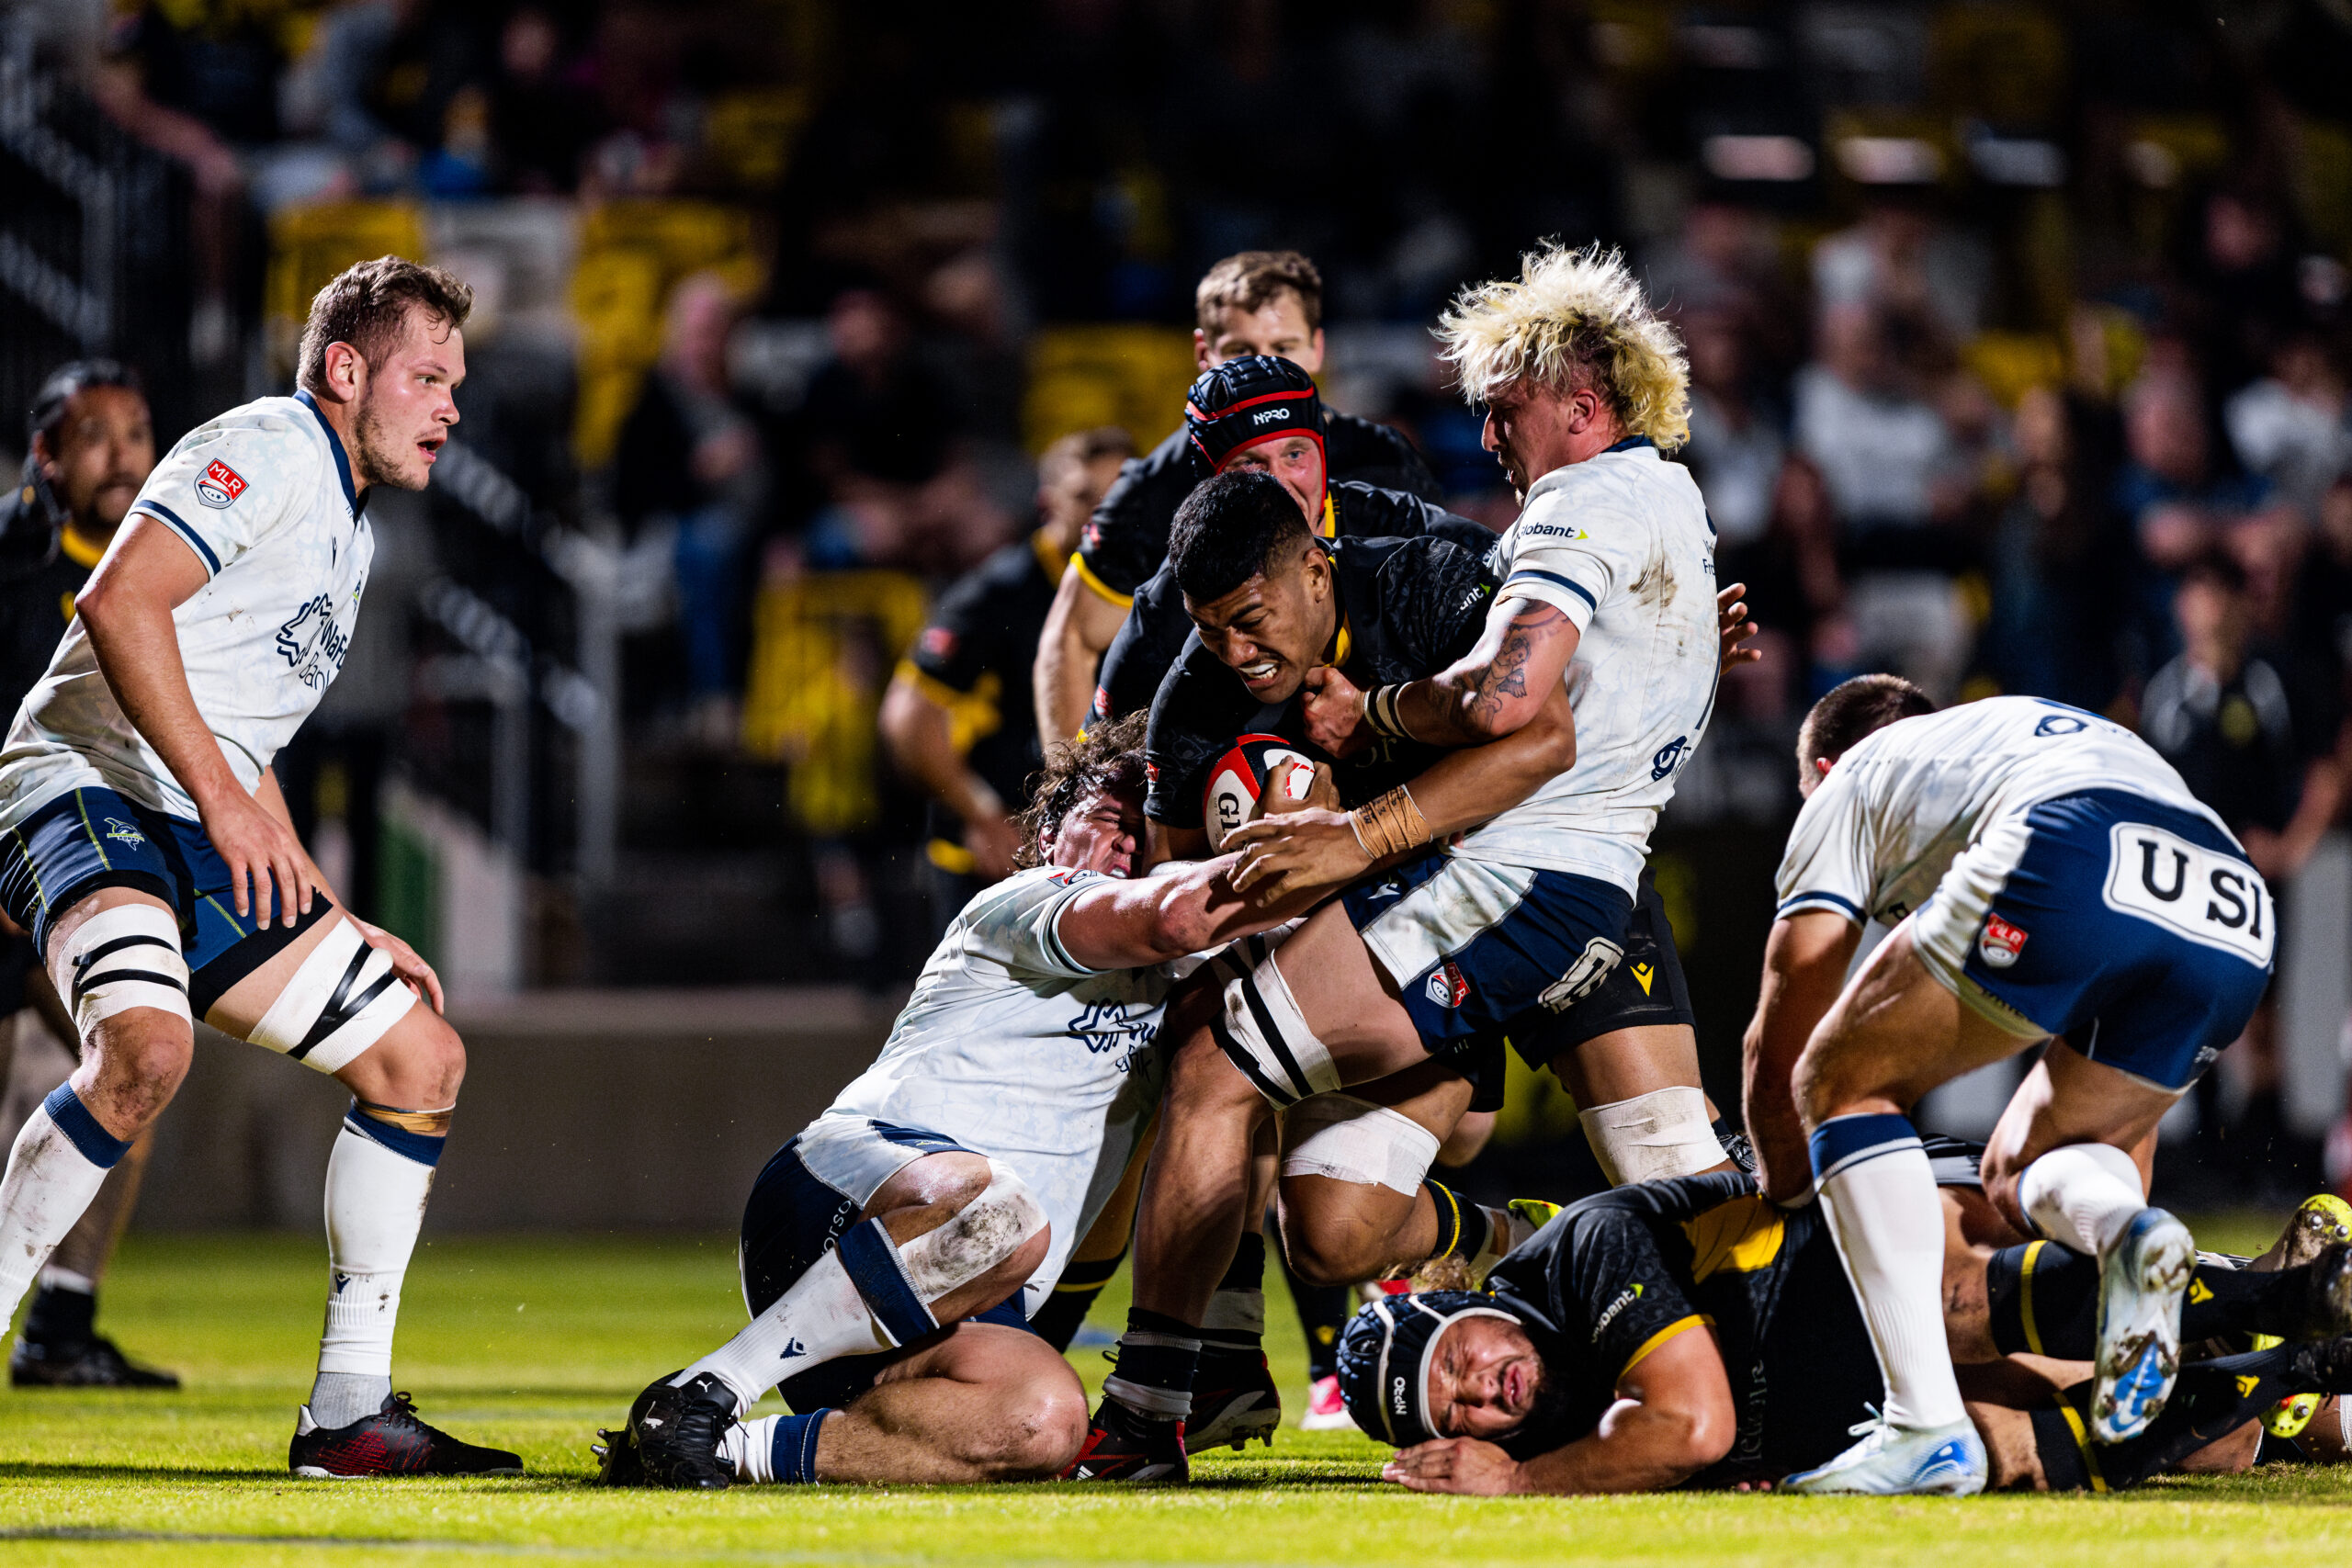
{"type": "Point", "coordinates": [1863, 1428]}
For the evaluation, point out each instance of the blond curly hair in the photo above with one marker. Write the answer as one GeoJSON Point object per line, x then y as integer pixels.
{"type": "Point", "coordinates": [1573, 318]}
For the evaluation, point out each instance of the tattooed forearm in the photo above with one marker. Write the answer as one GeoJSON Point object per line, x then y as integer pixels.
{"type": "Point", "coordinates": [1497, 688]}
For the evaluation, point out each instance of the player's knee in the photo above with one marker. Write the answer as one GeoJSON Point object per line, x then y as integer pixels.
{"type": "Point", "coordinates": [1042, 1427]}
{"type": "Point", "coordinates": [140, 1057]}
{"type": "Point", "coordinates": [420, 1063]}
{"type": "Point", "coordinates": [1328, 1256]}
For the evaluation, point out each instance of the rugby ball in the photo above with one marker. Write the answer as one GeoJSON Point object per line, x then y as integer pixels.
{"type": "Point", "coordinates": [1237, 786]}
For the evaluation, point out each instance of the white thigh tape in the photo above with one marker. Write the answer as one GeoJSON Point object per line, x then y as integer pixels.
{"type": "Point", "coordinates": [983, 1233]}
{"type": "Point", "coordinates": [1347, 1139]}
{"type": "Point", "coordinates": [342, 1000]}
{"type": "Point", "coordinates": [1264, 1033]}
{"type": "Point", "coordinates": [126, 956]}
{"type": "Point", "coordinates": [1653, 1137]}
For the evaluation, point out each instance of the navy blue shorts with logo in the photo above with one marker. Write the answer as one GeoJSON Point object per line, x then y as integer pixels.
{"type": "Point", "coordinates": [794, 1218]}
{"type": "Point", "coordinates": [1474, 945]}
{"type": "Point", "coordinates": [90, 839]}
{"type": "Point", "coordinates": [2135, 931]}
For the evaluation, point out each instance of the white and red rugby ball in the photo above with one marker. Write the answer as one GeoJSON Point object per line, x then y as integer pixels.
{"type": "Point", "coordinates": [1237, 786]}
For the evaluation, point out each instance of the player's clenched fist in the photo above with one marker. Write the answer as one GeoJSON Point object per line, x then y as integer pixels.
{"type": "Point", "coordinates": [1455, 1464]}
{"type": "Point", "coordinates": [1333, 708]}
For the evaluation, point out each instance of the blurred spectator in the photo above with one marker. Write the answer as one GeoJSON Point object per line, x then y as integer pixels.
{"type": "Point", "coordinates": [1918, 274]}
{"type": "Point", "coordinates": [2052, 629]}
{"type": "Point", "coordinates": [1736, 442]}
{"type": "Point", "coordinates": [958, 717]}
{"type": "Point", "coordinates": [397, 95]}
{"type": "Point", "coordinates": [2263, 760]}
{"type": "Point", "coordinates": [690, 460]}
{"type": "Point", "coordinates": [543, 114]}
{"type": "Point", "coordinates": [2175, 498]}
{"type": "Point", "coordinates": [1794, 594]}
{"type": "Point", "coordinates": [1893, 472]}
{"type": "Point", "coordinates": [2291, 426]}
{"type": "Point", "coordinates": [1724, 261]}
{"type": "Point", "coordinates": [2245, 295]}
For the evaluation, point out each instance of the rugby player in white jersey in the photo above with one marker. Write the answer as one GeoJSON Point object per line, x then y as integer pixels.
{"type": "Point", "coordinates": [149, 851]}
{"type": "Point", "coordinates": [1607, 585]}
{"type": "Point", "coordinates": [894, 1251]}
{"type": "Point", "coordinates": [2049, 877]}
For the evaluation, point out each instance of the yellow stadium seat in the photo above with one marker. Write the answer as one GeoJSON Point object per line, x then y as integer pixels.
{"type": "Point", "coordinates": [1080, 376]}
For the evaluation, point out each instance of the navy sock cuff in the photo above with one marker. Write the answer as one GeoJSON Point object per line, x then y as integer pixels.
{"type": "Point", "coordinates": [98, 1147]}
{"type": "Point", "coordinates": [792, 1452]}
{"type": "Point", "coordinates": [422, 1147]}
{"type": "Point", "coordinates": [1843, 1142]}
{"type": "Point", "coordinates": [871, 1260]}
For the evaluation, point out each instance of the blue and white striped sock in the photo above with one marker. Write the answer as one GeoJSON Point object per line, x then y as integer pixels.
{"type": "Point", "coordinates": [61, 1159]}
{"type": "Point", "coordinates": [776, 1447]}
{"type": "Point", "coordinates": [1879, 1193]}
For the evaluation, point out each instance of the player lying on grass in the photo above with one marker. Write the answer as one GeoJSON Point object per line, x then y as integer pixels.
{"type": "Point", "coordinates": [2049, 878]}
{"type": "Point", "coordinates": [1693, 1332]}
{"type": "Point", "coordinates": [894, 1251]}
{"type": "Point", "coordinates": [1606, 604]}
{"type": "Point", "coordinates": [150, 853]}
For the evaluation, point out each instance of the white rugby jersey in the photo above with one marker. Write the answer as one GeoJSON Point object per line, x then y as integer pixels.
{"type": "Point", "coordinates": [1884, 824]}
{"type": "Point", "coordinates": [263, 495]}
{"type": "Point", "coordinates": [1622, 546]}
{"type": "Point", "coordinates": [1017, 1050]}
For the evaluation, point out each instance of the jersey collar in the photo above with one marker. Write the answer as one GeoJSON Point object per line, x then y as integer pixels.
{"type": "Point", "coordinates": [334, 445]}
{"type": "Point", "coordinates": [78, 550]}
{"type": "Point", "coordinates": [1630, 444]}
{"type": "Point", "coordinates": [1331, 524]}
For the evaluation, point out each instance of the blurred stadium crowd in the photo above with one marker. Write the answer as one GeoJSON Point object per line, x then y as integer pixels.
{"type": "Point", "coordinates": [2018, 334]}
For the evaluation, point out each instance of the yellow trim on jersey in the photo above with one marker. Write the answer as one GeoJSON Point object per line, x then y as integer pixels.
{"type": "Point", "coordinates": [971, 716]}
{"type": "Point", "coordinates": [2025, 1301]}
{"type": "Point", "coordinates": [1052, 560]}
{"type": "Point", "coordinates": [1674, 1330]}
{"type": "Point", "coordinates": [1086, 575]}
{"type": "Point", "coordinates": [1741, 1236]}
{"type": "Point", "coordinates": [76, 551]}
{"type": "Point", "coordinates": [2082, 1441]}
{"type": "Point", "coordinates": [1341, 646]}
{"type": "Point", "coordinates": [1331, 524]}
{"type": "Point", "coordinates": [952, 859]}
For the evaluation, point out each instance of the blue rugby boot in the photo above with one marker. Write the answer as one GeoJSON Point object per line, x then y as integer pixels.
{"type": "Point", "coordinates": [2142, 1282]}
{"type": "Point", "coordinates": [1889, 1462]}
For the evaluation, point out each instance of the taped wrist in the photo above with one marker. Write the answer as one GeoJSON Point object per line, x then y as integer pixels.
{"type": "Point", "coordinates": [123, 957]}
{"type": "Point", "coordinates": [1389, 825]}
{"type": "Point", "coordinates": [1262, 1030]}
{"type": "Point", "coordinates": [1380, 712]}
{"type": "Point", "coordinates": [1665, 1133]}
{"type": "Point", "coordinates": [342, 999]}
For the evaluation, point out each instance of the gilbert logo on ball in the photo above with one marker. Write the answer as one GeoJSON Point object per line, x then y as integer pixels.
{"type": "Point", "coordinates": [1237, 782]}
{"type": "Point", "coordinates": [220, 485]}
{"type": "Point", "coordinates": [2001, 942]}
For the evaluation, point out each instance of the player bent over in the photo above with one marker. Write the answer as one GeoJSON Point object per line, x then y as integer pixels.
{"type": "Point", "coordinates": [894, 1251]}
{"type": "Point", "coordinates": [2049, 877]}
{"type": "Point", "coordinates": [149, 851]}
{"type": "Point", "coordinates": [1607, 600]}
{"type": "Point", "coordinates": [1692, 1333]}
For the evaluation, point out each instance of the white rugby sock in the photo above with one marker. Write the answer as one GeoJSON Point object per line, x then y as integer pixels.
{"type": "Point", "coordinates": [2082, 1196]}
{"type": "Point", "coordinates": [374, 1206]}
{"type": "Point", "coordinates": [61, 1159]}
{"type": "Point", "coordinates": [1879, 1192]}
{"type": "Point", "coordinates": [828, 1311]}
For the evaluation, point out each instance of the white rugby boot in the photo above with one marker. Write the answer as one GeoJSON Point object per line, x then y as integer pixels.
{"type": "Point", "coordinates": [1889, 1462]}
{"type": "Point", "coordinates": [2142, 1282]}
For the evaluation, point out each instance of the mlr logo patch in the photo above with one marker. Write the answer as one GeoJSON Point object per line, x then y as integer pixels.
{"type": "Point", "coordinates": [2001, 942]}
{"type": "Point", "coordinates": [1446, 986]}
{"type": "Point", "coordinates": [220, 485]}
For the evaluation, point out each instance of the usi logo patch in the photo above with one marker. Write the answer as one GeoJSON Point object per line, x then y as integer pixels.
{"type": "Point", "coordinates": [220, 485]}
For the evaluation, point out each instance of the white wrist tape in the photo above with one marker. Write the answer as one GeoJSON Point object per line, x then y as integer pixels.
{"type": "Point", "coordinates": [1262, 1032]}
{"type": "Point", "coordinates": [342, 999]}
{"type": "Point", "coordinates": [1345, 1139]}
{"type": "Point", "coordinates": [123, 957]}
{"type": "Point", "coordinates": [1665, 1132]}
{"type": "Point", "coordinates": [983, 1233]}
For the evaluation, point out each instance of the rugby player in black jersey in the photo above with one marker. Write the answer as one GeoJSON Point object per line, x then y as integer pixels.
{"type": "Point", "coordinates": [1692, 1333]}
{"type": "Point", "coordinates": [1256, 302]}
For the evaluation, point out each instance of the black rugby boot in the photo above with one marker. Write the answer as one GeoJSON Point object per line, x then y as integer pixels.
{"type": "Point", "coordinates": [676, 1431]}
{"type": "Point", "coordinates": [394, 1441]}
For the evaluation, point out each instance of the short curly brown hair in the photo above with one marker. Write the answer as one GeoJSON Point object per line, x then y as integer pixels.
{"type": "Point", "coordinates": [1104, 758]}
{"type": "Point", "coordinates": [367, 305]}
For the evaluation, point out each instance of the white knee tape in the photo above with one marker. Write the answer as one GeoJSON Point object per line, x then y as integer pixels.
{"type": "Point", "coordinates": [1662, 1134]}
{"type": "Point", "coordinates": [124, 957]}
{"type": "Point", "coordinates": [342, 1000]}
{"type": "Point", "coordinates": [1265, 1034]}
{"type": "Point", "coordinates": [986, 1231]}
{"type": "Point", "coordinates": [1347, 1139]}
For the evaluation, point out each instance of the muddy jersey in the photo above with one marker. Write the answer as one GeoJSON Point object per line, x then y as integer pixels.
{"type": "Point", "coordinates": [1408, 608]}
{"type": "Point", "coordinates": [263, 498]}
{"type": "Point", "coordinates": [1151, 639]}
{"type": "Point", "coordinates": [1887, 823]}
{"type": "Point", "coordinates": [1621, 544]}
{"type": "Point", "coordinates": [1014, 1049]}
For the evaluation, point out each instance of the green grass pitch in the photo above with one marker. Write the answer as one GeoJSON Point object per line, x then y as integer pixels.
{"type": "Point", "coordinates": [533, 1342]}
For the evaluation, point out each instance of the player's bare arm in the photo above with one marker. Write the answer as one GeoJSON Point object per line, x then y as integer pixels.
{"type": "Point", "coordinates": [1127, 925]}
{"type": "Point", "coordinates": [1674, 1417]}
{"type": "Point", "coordinates": [1806, 959]}
{"type": "Point", "coordinates": [127, 607]}
{"type": "Point", "coordinates": [1079, 629]}
{"type": "Point", "coordinates": [1298, 854]}
{"type": "Point", "coordinates": [920, 734]}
